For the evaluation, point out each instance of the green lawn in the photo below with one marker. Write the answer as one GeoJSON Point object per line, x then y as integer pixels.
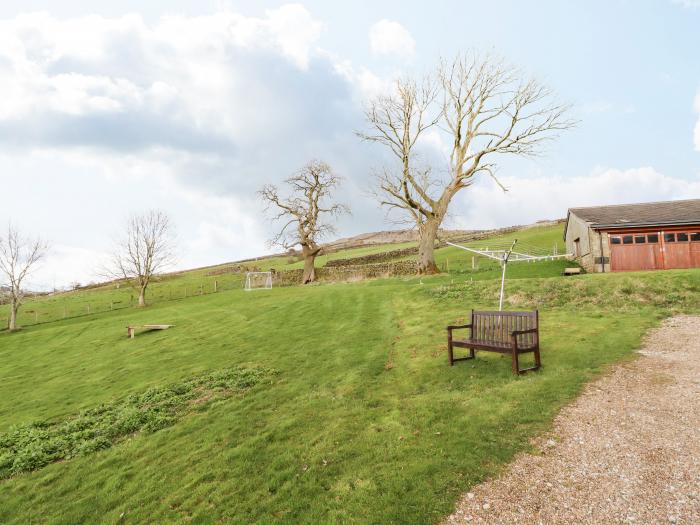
{"type": "Point", "coordinates": [364, 422]}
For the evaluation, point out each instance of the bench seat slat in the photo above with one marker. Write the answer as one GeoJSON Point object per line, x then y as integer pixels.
{"type": "Point", "coordinates": [477, 343]}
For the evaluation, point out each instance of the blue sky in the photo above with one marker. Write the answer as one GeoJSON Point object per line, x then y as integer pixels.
{"type": "Point", "coordinates": [110, 108]}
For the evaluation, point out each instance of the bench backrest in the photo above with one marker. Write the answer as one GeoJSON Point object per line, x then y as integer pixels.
{"type": "Point", "coordinates": [498, 326]}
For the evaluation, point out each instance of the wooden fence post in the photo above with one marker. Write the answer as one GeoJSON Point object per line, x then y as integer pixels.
{"type": "Point", "coordinates": [216, 286]}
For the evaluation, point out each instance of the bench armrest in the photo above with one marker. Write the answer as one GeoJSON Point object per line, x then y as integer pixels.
{"type": "Point", "coordinates": [530, 331]}
{"type": "Point", "coordinates": [455, 327]}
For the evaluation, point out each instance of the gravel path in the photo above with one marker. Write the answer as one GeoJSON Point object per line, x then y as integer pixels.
{"type": "Point", "coordinates": [626, 451]}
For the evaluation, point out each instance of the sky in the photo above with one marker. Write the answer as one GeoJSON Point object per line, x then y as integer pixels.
{"type": "Point", "coordinates": [113, 108]}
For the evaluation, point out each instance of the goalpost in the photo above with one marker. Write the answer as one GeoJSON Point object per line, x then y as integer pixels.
{"type": "Point", "coordinates": [258, 281]}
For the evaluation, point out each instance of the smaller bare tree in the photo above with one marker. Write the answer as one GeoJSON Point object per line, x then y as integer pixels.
{"type": "Point", "coordinates": [18, 257]}
{"type": "Point", "coordinates": [146, 250]}
{"type": "Point", "coordinates": [304, 211]}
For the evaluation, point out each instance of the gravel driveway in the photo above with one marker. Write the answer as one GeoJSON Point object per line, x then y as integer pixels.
{"type": "Point", "coordinates": [626, 451]}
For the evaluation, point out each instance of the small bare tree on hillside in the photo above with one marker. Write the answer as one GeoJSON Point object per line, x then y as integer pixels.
{"type": "Point", "coordinates": [146, 249]}
{"type": "Point", "coordinates": [18, 257]}
{"type": "Point", "coordinates": [483, 108]}
{"type": "Point", "coordinates": [304, 211]}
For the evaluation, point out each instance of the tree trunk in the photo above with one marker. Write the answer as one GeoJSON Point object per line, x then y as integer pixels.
{"type": "Point", "coordinates": [427, 233]}
{"type": "Point", "coordinates": [12, 324]}
{"type": "Point", "coordinates": [142, 297]}
{"type": "Point", "coordinates": [309, 255]}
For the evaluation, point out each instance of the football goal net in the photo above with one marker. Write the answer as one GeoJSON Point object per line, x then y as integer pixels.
{"type": "Point", "coordinates": [258, 281]}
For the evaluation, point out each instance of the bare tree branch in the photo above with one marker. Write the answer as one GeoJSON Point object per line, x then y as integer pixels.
{"type": "Point", "coordinates": [18, 257]}
{"type": "Point", "coordinates": [485, 109]}
{"type": "Point", "coordinates": [146, 249]}
{"type": "Point", "coordinates": [304, 210]}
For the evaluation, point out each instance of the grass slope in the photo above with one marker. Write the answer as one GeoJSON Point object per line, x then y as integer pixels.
{"type": "Point", "coordinates": [363, 422]}
{"type": "Point", "coordinates": [88, 302]}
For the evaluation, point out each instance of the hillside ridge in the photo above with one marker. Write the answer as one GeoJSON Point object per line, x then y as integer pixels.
{"type": "Point", "coordinates": [363, 240]}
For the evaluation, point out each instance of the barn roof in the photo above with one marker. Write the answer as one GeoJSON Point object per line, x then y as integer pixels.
{"type": "Point", "coordinates": [644, 214]}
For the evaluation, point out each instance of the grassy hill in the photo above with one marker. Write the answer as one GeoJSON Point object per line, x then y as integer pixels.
{"type": "Point", "coordinates": [109, 298]}
{"type": "Point", "coordinates": [359, 420]}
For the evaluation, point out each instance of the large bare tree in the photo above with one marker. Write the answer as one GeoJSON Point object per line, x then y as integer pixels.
{"type": "Point", "coordinates": [18, 257]}
{"type": "Point", "coordinates": [146, 249]}
{"type": "Point", "coordinates": [305, 210]}
{"type": "Point", "coordinates": [483, 109]}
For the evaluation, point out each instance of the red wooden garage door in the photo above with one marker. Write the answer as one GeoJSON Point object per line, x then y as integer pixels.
{"type": "Point", "coordinates": [654, 250]}
{"type": "Point", "coordinates": [676, 250]}
{"type": "Point", "coordinates": [640, 251]}
{"type": "Point", "coordinates": [695, 249]}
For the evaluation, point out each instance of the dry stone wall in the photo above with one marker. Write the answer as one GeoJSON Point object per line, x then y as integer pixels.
{"type": "Point", "coordinates": [372, 258]}
{"type": "Point", "coordinates": [348, 273]}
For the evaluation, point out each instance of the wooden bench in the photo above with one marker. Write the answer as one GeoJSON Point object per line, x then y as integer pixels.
{"type": "Point", "coordinates": [512, 333]}
{"type": "Point", "coordinates": [571, 271]}
{"type": "Point", "coordinates": [131, 330]}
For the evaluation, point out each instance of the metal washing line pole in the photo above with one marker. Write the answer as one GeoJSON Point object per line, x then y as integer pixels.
{"type": "Point", "coordinates": [503, 256]}
{"type": "Point", "coordinates": [506, 256]}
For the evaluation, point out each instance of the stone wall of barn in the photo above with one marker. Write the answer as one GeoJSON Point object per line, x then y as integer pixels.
{"type": "Point", "coordinates": [600, 251]}
{"type": "Point", "coordinates": [591, 256]}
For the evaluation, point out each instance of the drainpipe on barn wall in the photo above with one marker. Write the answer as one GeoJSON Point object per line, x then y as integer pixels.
{"type": "Point", "coordinates": [602, 255]}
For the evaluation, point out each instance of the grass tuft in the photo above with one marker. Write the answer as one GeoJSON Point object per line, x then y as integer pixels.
{"type": "Point", "coordinates": [34, 445]}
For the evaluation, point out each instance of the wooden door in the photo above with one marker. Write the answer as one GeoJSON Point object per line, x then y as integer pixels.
{"type": "Point", "coordinates": [676, 250]}
{"type": "Point", "coordinates": [695, 249]}
{"type": "Point", "coordinates": [635, 251]}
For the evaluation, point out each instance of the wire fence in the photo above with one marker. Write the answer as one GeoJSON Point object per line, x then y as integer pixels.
{"type": "Point", "coordinates": [85, 302]}
{"type": "Point", "coordinates": [109, 298]}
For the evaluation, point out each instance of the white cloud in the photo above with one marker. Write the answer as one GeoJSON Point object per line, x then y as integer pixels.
{"type": "Point", "coordinates": [64, 265]}
{"type": "Point", "coordinates": [388, 37]}
{"type": "Point", "coordinates": [228, 226]}
{"type": "Point", "coordinates": [696, 136]}
{"type": "Point", "coordinates": [80, 94]}
{"type": "Point", "coordinates": [81, 198]}
{"type": "Point", "coordinates": [289, 29]}
{"type": "Point", "coordinates": [365, 82]}
{"type": "Point", "coordinates": [295, 30]}
{"type": "Point", "coordinates": [530, 199]}
{"type": "Point", "coordinates": [96, 64]}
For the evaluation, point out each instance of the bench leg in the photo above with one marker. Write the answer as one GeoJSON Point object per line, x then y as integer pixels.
{"type": "Point", "coordinates": [516, 363]}
{"type": "Point", "coordinates": [451, 355]}
{"type": "Point", "coordinates": [516, 366]}
{"type": "Point", "coordinates": [131, 332]}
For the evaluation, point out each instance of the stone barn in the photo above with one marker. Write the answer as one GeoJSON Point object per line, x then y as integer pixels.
{"type": "Point", "coordinates": [628, 237]}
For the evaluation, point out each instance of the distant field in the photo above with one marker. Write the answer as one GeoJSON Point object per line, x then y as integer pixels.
{"type": "Point", "coordinates": [108, 298]}
{"type": "Point", "coordinates": [362, 420]}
